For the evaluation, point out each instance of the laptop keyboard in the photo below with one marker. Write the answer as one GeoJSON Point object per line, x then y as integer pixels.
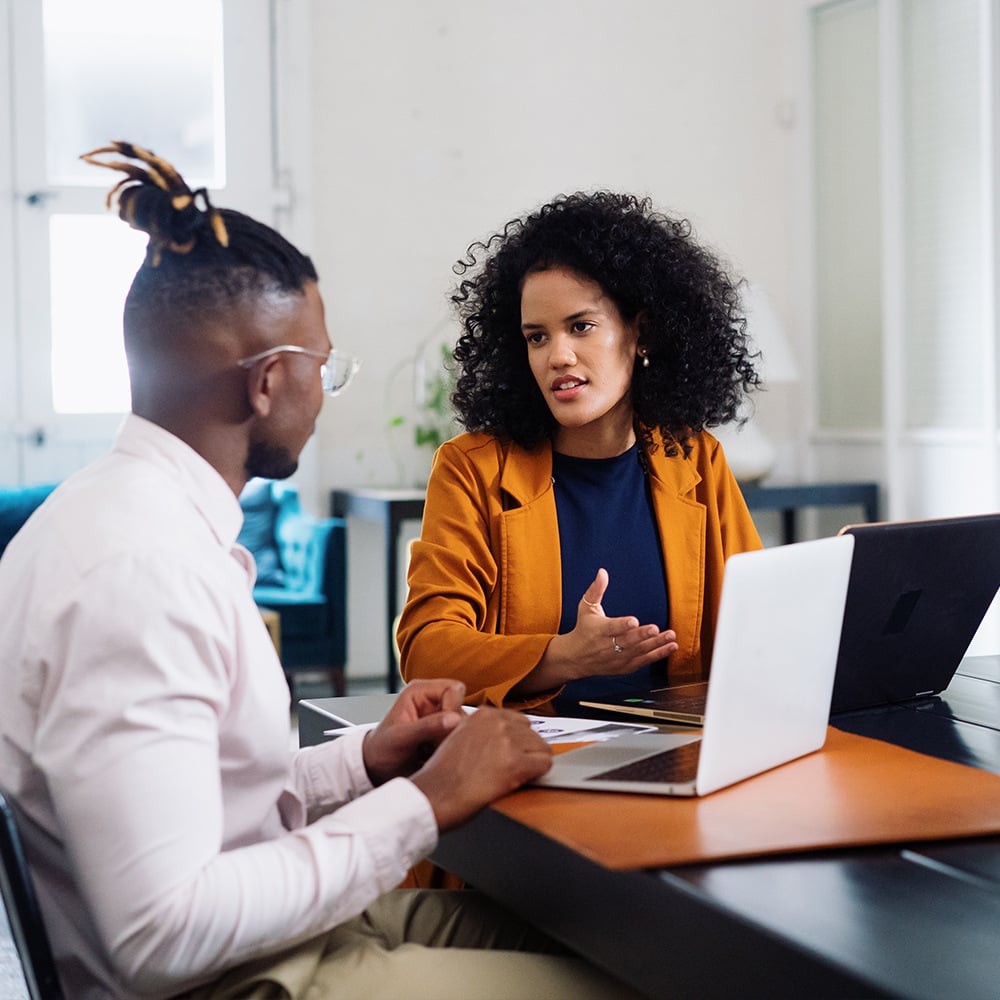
{"type": "Point", "coordinates": [674, 766]}
{"type": "Point", "coordinates": [692, 704]}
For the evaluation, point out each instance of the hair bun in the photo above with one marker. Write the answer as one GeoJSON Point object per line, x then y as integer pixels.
{"type": "Point", "coordinates": [155, 199]}
{"type": "Point", "coordinates": [152, 211]}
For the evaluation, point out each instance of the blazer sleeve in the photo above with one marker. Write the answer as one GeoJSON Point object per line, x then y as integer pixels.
{"type": "Point", "coordinates": [450, 624]}
{"type": "Point", "coordinates": [736, 529]}
{"type": "Point", "coordinates": [729, 529]}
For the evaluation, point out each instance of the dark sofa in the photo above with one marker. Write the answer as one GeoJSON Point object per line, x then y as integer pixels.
{"type": "Point", "coordinates": [301, 570]}
{"type": "Point", "coordinates": [17, 504]}
{"type": "Point", "coordinates": [301, 574]}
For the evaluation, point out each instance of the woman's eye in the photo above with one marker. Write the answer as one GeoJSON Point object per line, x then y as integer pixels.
{"type": "Point", "coordinates": [582, 326]}
{"type": "Point", "coordinates": [535, 337]}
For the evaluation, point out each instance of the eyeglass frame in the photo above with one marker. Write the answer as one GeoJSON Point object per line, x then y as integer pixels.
{"type": "Point", "coordinates": [330, 358]}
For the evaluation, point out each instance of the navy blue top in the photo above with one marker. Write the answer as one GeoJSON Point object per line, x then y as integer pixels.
{"type": "Point", "coordinates": [606, 519]}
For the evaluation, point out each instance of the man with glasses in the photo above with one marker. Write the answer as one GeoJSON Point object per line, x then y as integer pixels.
{"type": "Point", "coordinates": [178, 847]}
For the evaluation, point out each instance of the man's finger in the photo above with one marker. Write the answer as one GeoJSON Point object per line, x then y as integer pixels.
{"type": "Point", "coordinates": [454, 695]}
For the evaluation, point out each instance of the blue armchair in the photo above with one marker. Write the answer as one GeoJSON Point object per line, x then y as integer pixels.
{"type": "Point", "coordinates": [301, 570]}
{"type": "Point", "coordinates": [17, 504]}
{"type": "Point", "coordinates": [301, 574]}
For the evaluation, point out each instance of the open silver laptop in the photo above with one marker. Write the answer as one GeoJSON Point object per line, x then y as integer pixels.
{"type": "Point", "coordinates": [773, 664]}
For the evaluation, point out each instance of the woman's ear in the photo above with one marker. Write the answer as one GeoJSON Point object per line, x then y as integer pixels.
{"type": "Point", "coordinates": [636, 325]}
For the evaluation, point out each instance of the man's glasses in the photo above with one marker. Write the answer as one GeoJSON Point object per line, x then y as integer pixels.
{"type": "Point", "coordinates": [337, 371]}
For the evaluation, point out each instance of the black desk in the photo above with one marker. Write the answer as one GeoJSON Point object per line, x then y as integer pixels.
{"type": "Point", "coordinates": [918, 921]}
{"type": "Point", "coordinates": [922, 921]}
{"type": "Point", "coordinates": [390, 508]}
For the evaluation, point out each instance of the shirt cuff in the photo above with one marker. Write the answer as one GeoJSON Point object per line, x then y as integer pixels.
{"type": "Point", "coordinates": [396, 822]}
{"type": "Point", "coordinates": [335, 771]}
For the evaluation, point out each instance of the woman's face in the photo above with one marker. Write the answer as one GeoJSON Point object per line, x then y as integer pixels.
{"type": "Point", "coordinates": [582, 354]}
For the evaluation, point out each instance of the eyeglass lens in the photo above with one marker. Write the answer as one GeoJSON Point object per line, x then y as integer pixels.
{"type": "Point", "coordinates": [338, 371]}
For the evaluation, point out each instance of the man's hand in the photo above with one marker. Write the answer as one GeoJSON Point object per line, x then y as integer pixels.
{"type": "Point", "coordinates": [425, 712]}
{"type": "Point", "coordinates": [489, 754]}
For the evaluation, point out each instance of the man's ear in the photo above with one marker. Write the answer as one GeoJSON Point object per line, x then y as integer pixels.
{"type": "Point", "coordinates": [263, 380]}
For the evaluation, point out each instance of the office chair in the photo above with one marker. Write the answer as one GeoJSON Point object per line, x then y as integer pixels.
{"type": "Point", "coordinates": [23, 912]}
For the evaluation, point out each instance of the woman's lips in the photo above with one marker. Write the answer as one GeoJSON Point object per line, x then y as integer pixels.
{"type": "Point", "coordinates": [567, 388]}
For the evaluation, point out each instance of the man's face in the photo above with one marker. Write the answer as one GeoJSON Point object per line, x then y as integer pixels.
{"type": "Point", "coordinates": [274, 451]}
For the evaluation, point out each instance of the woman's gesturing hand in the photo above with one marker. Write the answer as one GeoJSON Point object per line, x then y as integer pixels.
{"type": "Point", "coordinates": [602, 645]}
{"type": "Point", "coordinates": [597, 645]}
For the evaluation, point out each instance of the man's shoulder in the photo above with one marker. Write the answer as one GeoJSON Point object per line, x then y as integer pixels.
{"type": "Point", "coordinates": [127, 493]}
{"type": "Point", "coordinates": [107, 510]}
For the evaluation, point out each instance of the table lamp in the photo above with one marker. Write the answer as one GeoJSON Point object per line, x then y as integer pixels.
{"type": "Point", "coordinates": [751, 455]}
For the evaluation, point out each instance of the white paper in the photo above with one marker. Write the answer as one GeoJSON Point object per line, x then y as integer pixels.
{"type": "Point", "coordinates": [552, 729]}
{"type": "Point", "coordinates": [561, 729]}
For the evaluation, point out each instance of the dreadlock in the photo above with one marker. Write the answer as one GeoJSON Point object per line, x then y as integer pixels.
{"type": "Point", "coordinates": [200, 259]}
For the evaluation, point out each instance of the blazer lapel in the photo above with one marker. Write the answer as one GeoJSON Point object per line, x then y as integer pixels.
{"type": "Point", "coordinates": [682, 525]}
{"type": "Point", "coordinates": [531, 573]}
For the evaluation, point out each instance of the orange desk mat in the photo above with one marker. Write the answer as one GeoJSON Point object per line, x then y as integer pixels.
{"type": "Point", "coordinates": [855, 791]}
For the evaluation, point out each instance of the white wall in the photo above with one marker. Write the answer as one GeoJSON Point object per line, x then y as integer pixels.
{"type": "Point", "coordinates": [433, 123]}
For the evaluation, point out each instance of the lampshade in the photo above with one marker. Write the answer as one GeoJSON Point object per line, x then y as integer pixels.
{"type": "Point", "coordinates": [750, 453]}
{"type": "Point", "coordinates": [776, 363]}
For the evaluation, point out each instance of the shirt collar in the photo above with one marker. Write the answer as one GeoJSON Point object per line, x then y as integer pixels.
{"type": "Point", "coordinates": [207, 490]}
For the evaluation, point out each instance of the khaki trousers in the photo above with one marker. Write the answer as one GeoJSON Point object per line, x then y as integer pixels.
{"type": "Point", "coordinates": [421, 945]}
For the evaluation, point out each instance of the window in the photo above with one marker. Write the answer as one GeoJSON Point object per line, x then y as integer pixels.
{"type": "Point", "coordinates": [190, 80]}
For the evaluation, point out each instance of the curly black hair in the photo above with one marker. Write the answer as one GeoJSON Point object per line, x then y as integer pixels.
{"type": "Point", "coordinates": [691, 321]}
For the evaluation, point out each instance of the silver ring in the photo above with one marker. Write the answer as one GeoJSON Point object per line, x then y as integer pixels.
{"type": "Point", "coordinates": [614, 644]}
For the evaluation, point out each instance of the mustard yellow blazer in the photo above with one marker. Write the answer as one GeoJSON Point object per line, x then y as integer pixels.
{"type": "Point", "coordinates": [485, 585]}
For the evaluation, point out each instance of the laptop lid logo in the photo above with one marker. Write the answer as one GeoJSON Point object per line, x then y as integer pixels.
{"type": "Point", "coordinates": [902, 612]}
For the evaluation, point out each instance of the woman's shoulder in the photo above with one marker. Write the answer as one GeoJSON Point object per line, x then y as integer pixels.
{"type": "Point", "coordinates": [700, 460]}
{"type": "Point", "coordinates": [482, 448]}
{"type": "Point", "coordinates": [698, 448]}
{"type": "Point", "coordinates": [472, 446]}
{"type": "Point", "coordinates": [706, 446]}
{"type": "Point", "coordinates": [497, 464]}
{"type": "Point", "coordinates": [469, 441]}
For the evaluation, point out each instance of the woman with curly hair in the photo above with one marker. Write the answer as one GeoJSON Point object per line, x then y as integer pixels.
{"type": "Point", "coordinates": [574, 538]}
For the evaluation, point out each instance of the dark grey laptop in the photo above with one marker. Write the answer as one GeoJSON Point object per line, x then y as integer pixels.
{"type": "Point", "coordinates": [918, 592]}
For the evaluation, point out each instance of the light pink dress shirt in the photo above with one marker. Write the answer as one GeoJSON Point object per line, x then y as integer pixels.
{"type": "Point", "coordinates": [144, 733]}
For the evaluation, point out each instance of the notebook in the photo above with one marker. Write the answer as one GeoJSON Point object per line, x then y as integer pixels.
{"type": "Point", "coordinates": [773, 662]}
{"type": "Point", "coordinates": [919, 591]}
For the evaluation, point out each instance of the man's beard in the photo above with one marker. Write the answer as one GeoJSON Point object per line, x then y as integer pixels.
{"type": "Point", "coordinates": [269, 461]}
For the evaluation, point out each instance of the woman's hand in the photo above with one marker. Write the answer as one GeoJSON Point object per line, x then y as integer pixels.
{"type": "Point", "coordinates": [597, 645]}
